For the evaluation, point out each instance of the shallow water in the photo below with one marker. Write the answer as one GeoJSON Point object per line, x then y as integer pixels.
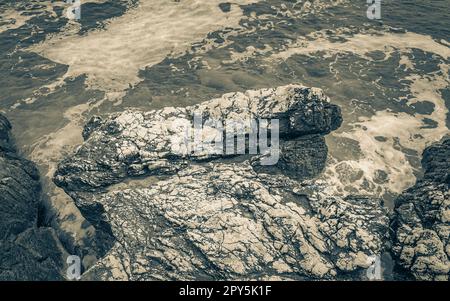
{"type": "Point", "coordinates": [390, 76]}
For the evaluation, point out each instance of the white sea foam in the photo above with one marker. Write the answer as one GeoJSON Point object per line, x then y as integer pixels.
{"type": "Point", "coordinates": [13, 18]}
{"type": "Point", "coordinates": [112, 57]}
{"type": "Point", "coordinates": [400, 130]}
{"type": "Point", "coordinates": [361, 44]}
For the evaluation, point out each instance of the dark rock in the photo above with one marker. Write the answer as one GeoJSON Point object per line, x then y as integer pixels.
{"type": "Point", "coordinates": [301, 158]}
{"type": "Point", "coordinates": [421, 223]}
{"type": "Point", "coordinates": [94, 123]}
{"type": "Point", "coordinates": [436, 162]}
{"type": "Point", "coordinates": [225, 7]}
{"type": "Point", "coordinates": [28, 252]}
{"type": "Point", "coordinates": [309, 115]}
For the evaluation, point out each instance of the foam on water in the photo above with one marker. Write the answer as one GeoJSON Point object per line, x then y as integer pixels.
{"type": "Point", "coordinates": [383, 167]}
{"type": "Point", "coordinates": [12, 19]}
{"type": "Point", "coordinates": [112, 57]}
{"type": "Point", "coordinates": [363, 43]}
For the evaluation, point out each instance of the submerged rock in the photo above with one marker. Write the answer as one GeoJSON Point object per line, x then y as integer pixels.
{"type": "Point", "coordinates": [422, 219]}
{"type": "Point", "coordinates": [28, 252]}
{"type": "Point", "coordinates": [204, 216]}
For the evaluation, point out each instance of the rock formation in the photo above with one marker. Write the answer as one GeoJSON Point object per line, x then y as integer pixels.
{"type": "Point", "coordinates": [183, 215]}
{"type": "Point", "coordinates": [28, 252]}
{"type": "Point", "coordinates": [422, 219]}
{"type": "Point", "coordinates": [223, 221]}
{"type": "Point", "coordinates": [135, 143]}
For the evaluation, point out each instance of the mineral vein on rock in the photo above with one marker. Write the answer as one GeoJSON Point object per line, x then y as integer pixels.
{"type": "Point", "coordinates": [216, 219]}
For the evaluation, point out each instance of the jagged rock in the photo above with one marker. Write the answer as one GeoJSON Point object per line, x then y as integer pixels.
{"type": "Point", "coordinates": [300, 158]}
{"type": "Point", "coordinates": [28, 252]}
{"type": "Point", "coordinates": [193, 217]}
{"type": "Point", "coordinates": [224, 221]}
{"type": "Point", "coordinates": [135, 143]}
{"type": "Point", "coordinates": [5, 127]}
{"type": "Point", "coordinates": [422, 219]}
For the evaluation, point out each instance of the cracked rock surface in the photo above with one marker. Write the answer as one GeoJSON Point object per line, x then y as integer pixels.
{"type": "Point", "coordinates": [28, 252]}
{"type": "Point", "coordinates": [135, 143]}
{"type": "Point", "coordinates": [422, 220]}
{"type": "Point", "coordinates": [224, 221]}
{"type": "Point", "coordinates": [203, 216]}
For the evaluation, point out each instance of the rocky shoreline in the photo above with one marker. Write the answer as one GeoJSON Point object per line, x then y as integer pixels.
{"type": "Point", "coordinates": [28, 250]}
{"type": "Point", "coordinates": [203, 218]}
{"type": "Point", "coordinates": [165, 215]}
{"type": "Point", "coordinates": [421, 222]}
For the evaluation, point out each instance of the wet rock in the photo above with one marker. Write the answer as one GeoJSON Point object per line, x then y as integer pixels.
{"type": "Point", "coordinates": [94, 123]}
{"type": "Point", "coordinates": [300, 158]}
{"type": "Point", "coordinates": [28, 252]}
{"type": "Point", "coordinates": [202, 216]}
{"type": "Point", "coordinates": [136, 143]}
{"type": "Point", "coordinates": [5, 127]}
{"type": "Point", "coordinates": [225, 7]}
{"type": "Point", "coordinates": [422, 219]}
{"type": "Point", "coordinates": [224, 221]}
